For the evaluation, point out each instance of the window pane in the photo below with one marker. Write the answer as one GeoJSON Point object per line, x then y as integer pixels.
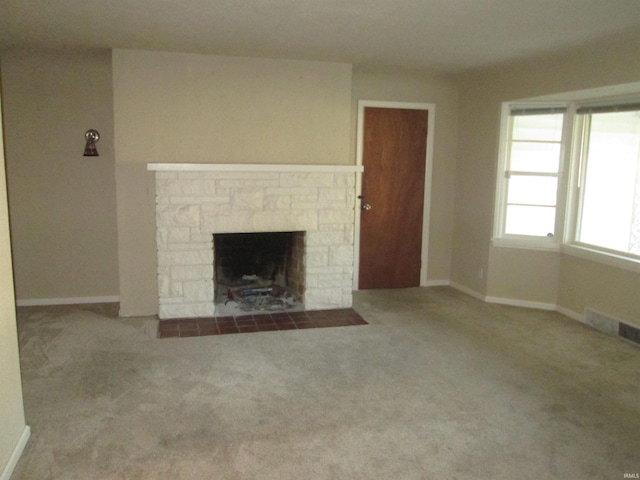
{"type": "Point", "coordinates": [538, 221]}
{"type": "Point", "coordinates": [530, 190]}
{"type": "Point", "coordinates": [611, 192]}
{"type": "Point", "coordinates": [535, 157]}
{"type": "Point", "coordinates": [538, 127]}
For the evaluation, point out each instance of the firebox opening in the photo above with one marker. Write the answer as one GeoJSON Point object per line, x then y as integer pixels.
{"type": "Point", "coordinates": [258, 272]}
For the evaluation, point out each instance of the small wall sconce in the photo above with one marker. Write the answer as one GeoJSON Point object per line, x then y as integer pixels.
{"type": "Point", "coordinates": [91, 136]}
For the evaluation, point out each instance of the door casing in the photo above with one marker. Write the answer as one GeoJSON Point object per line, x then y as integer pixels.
{"type": "Point", "coordinates": [431, 108]}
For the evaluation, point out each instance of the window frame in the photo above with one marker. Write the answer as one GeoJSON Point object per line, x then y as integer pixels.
{"type": "Point", "coordinates": [574, 211]}
{"type": "Point", "coordinates": [570, 176]}
{"type": "Point", "coordinates": [533, 242]}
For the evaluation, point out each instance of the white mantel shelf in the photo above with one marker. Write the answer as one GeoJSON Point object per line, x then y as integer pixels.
{"type": "Point", "coordinates": [255, 167]}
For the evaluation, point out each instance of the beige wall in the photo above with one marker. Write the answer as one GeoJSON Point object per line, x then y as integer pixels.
{"type": "Point", "coordinates": [610, 290]}
{"type": "Point", "coordinates": [475, 180]}
{"type": "Point", "coordinates": [399, 86]}
{"type": "Point", "coordinates": [528, 276]}
{"type": "Point", "coordinates": [185, 108]}
{"type": "Point", "coordinates": [11, 408]}
{"type": "Point", "coordinates": [171, 107]}
{"type": "Point", "coordinates": [63, 208]}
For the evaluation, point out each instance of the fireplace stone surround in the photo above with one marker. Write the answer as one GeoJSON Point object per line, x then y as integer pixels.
{"type": "Point", "coordinates": [196, 201]}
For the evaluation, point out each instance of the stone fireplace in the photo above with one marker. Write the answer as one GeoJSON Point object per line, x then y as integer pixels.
{"type": "Point", "coordinates": [194, 202]}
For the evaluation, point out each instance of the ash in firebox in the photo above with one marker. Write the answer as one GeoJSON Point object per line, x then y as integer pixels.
{"type": "Point", "coordinates": [254, 295]}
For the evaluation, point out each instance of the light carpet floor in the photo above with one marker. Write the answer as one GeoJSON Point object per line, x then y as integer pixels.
{"type": "Point", "coordinates": [438, 386]}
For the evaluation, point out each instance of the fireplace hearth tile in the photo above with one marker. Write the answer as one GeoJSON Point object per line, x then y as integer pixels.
{"type": "Point", "coordinates": [287, 326]}
{"type": "Point", "coordinates": [206, 326]}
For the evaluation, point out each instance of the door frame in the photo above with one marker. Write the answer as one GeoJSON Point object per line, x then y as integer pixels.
{"type": "Point", "coordinates": [431, 109]}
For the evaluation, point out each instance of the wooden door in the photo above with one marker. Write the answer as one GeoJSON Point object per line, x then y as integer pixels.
{"type": "Point", "coordinates": [394, 155]}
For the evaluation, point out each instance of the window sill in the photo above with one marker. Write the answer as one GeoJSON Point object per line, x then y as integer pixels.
{"type": "Point", "coordinates": [606, 258]}
{"type": "Point", "coordinates": [526, 243]}
{"type": "Point", "coordinates": [580, 251]}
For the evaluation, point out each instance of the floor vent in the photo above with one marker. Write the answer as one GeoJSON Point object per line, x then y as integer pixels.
{"type": "Point", "coordinates": [629, 332]}
{"type": "Point", "coordinates": [601, 321]}
{"type": "Point", "coordinates": [608, 324]}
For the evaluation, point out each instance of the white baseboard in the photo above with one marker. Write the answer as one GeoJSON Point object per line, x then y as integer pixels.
{"type": "Point", "coordinates": [17, 453]}
{"type": "Point", "coordinates": [518, 303]}
{"type": "Point", "coordinates": [36, 302]}
{"type": "Point", "coordinates": [507, 301]}
{"type": "Point", "coordinates": [468, 291]}
{"type": "Point", "coordinates": [436, 283]}
{"type": "Point", "coordinates": [571, 314]}
{"type": "Point", "coordinates": [521, 303]}
{"type": "Point", "coordinates": [582, 318]}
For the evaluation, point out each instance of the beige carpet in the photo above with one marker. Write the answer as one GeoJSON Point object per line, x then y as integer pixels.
{"type": "Point", "coordinates": [438, 386]}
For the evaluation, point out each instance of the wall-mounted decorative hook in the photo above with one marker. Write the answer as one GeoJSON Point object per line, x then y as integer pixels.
{"type": "Point", "coordinates": [91, 136]}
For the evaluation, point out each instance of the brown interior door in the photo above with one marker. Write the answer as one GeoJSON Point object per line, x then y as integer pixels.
{"type": "Point", "coordinates": [394, 153]}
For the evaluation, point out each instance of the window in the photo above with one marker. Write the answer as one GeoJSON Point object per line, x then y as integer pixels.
{"type": "Point", "coordinates": [531, 166]}
{"type": "Point", "coordinates": [609, 178]}
{"type": "Point", "coordinates": [600, 145]}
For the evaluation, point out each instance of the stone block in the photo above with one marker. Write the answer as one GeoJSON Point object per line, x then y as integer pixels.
{"type": "Point", "coordinates": [170, 300]}
{"type": "Point", "coordinates": [191, 257]}
{"type": "Point", "coordinates": [199, 175]}
{"type": "Point", "coordinates": [323, 298]}
{"type": "Point", "coordinates": [248, 182]}
{"type": "Point", "coordinates": [177, 215]}
{"type": "Point", "coordinates": [347, 298]}
{"type": "Point", "coordinates": [179, 234]}
{"type": "Point", "coordinates": [345, 180]}
{"type": "Point", "coordinates": [199, 200]}
{"type": "Point", "coordinates": [176, 247]}
{"type": "Point", "coordinates": [302, 205]}
{"type": "Point", "coordinates": [334, 195]}
{"type": "Point", "coordinates": [324, 270]}
{"type": "Point", "coordinates": [330, 281]}
{"type": "Point", "coordinates": [246, 175]}
{"type": "Point", "coordinates": [317, 257]}
{"type": "Point", "coordinates": [198, 237]}
{"type": "Point", "coordinates": [181, 273]}
{"type": "Point", "coordinates": [198, 290]}
{"type": "Point", "coordinates": [331, 227]}
{"type": "Point", "coordinates": [349, 234]}
{"type": "Point", "coordinates": [277, 202]}
{"type": "Point", "coordinates": [325, 238]}
{"type": "Point", "coordinates": [310, 281]}
{"type": "Point", "coordinates": [185, 187]}
{"type": "Point", "coordinates": [336, 215]}
{"type": "Point", "coordinates": [162, 238]}
{"type": "Point", "coordinates": [295, 179]}
{"type": "Point", "coordinates": [164, 283]}
{"type": "Point", "coordinates": [342, 255]}
{"type": "Point", "coordinates": [311, 200]}
{"type": "Point", "coordinates": [160, 175]}
{"type": "Point", "coordinates": [229, 222]}
{"type": "Point", "coordinates": [275, 221]}
{"type": "Point", "coordinates": [247, 199]}
{"type": "Point", "coordinates": [291, 191]}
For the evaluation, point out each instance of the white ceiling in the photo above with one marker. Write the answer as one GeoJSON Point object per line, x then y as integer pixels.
{"type": "Point", "coordinates": [440, 35]}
